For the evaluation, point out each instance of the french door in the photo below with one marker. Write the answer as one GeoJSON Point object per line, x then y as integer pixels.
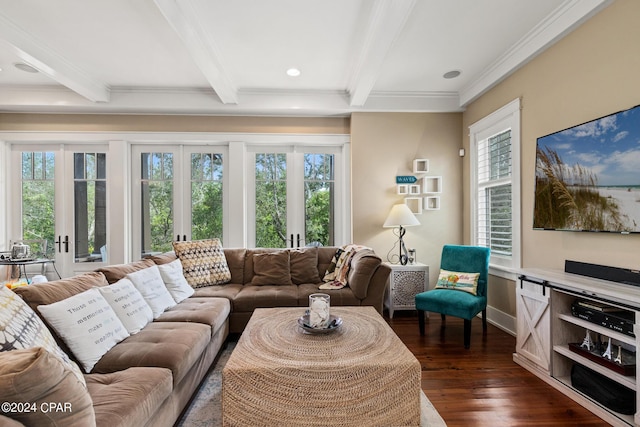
{"type": "Point", "coordinates": [60, 192]}
{"type": "Point", "coordinates": [294, 196]}
{"type": "Point", "coordinates": [178, 194]}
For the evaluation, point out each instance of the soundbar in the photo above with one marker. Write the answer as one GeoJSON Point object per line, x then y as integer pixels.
{"type": "Point", "coordinates": [614, 274]}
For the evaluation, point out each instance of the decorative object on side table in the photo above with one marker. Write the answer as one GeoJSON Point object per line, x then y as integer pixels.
{"type": "Point", "coordinates": [401, 216]}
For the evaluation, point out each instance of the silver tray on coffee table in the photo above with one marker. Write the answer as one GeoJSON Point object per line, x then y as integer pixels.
{"type": "Point", "coordinates": [334, 324]}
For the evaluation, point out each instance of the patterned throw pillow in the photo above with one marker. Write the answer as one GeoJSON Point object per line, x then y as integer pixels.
{"type": "Point", "coordinates": [203, 262]}
{"type": "Point", "coordinates": [21, 328]}
{"type": "Point", "coordinates": [467, 282]}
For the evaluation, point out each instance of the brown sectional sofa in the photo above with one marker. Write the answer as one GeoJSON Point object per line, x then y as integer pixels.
{"type": "Point", "coordinates": [148, 378]}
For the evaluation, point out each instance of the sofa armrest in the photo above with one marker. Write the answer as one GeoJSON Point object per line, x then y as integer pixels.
{"type": "Point", "coordinates": [377, 287]}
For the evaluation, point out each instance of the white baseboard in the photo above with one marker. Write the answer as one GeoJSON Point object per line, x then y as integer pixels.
{"type": "Point", "coordinates": [501, 320]}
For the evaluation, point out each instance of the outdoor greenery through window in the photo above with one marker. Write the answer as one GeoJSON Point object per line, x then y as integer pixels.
{"type": "Point", "coordinates": [90, 205]}
{"type": "Point", "coordinates": [157, 202]}
{"type": "Point", "coordinates": [38, 195]}
{"type": "Point", "coordinates": [206, 196]}
{"type": "Point", "coordinates": [319, 198]}
{"type": "Point", "coordinates": [271, 200]}
{"type": "Point", "coordinates": [274, 207]}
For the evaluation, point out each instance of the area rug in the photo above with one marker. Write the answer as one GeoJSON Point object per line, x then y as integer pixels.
{"type": "Point", "coordinates": [205, 409]}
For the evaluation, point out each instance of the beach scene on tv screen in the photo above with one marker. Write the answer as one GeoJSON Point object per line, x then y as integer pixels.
{"type": "Point", "coordinates": [588, 176]}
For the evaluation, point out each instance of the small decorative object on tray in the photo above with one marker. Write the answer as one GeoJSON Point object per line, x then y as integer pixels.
{"type": "Point", "coordinates": [333, 325]}
{"type": "Point", "coordinates": [617, 358]}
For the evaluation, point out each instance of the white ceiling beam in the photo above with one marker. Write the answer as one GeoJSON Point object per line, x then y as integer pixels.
{"type": "Point", "coordinates": [567, 17]}
{"type": "Point", "coordinates": [385, 23]}
{"type": "Point", "coordinates": [35, 53]}
{"type": "Point", "coordinates": [183, 16]}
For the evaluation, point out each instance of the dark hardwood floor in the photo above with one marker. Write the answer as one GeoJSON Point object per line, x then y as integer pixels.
{"type": "Point", "coordinates": [483, 386]}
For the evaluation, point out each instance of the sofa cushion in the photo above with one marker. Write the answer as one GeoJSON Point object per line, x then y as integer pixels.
{"type": "Point", "coordinates": [235, 261]}
{"type": "Point", "coordinates": [129, 398]}
{"type": "Point", "coordinates": [129, 305]}
{"type": "Point", "coordinates": [164, 258]}
{"type": "Point", "coordinates": [172, 345]}
{"type": "Point", "coordinates": [21, 328]}
{"type": "Point", "coordinates": [57, 290]}
{"type": "Point", "coordinates": [174, 280]}
{"type": "Point", "coordinates": [150, 284]}
{"type": "Point", "coordinates": [208, 311]}
{"type": "Point", "coordinates": [339, 297]}
{"type": "Point", "coordinates": [113, 273]}
{"type": "Point", "coordinates": [252, 297]}
{"type": "Point", "coordinates": [271, 269]}
{"type": "Point", "coordinates": [203, 262]}
{"type": "Point", "coordinates": [87, 324]}
{"type": "Point", "coordinates": [228, 291]}
{"type": "Point", "coordinates": [37, 378]}
{"type": "Point", "coordinates": [304, 265]}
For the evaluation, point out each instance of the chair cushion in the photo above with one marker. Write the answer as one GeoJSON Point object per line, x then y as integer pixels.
{"type": "Point", "coordinates": [252, 297]}
{"type": "Point", "coordinates": [113, 273]}
{"type": "Point", "coordinates": [208, 311]}
{"type": "Point", "coordinates": [452, 303]}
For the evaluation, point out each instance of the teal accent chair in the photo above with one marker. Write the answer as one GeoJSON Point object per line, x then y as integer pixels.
{"type": "Point", "coordinates": [467, 259]}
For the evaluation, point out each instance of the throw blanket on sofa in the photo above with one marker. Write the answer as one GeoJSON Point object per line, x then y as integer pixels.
{"type": "Point", "coordinates": [337, 274]}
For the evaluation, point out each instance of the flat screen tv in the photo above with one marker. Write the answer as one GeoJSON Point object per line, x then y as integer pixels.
{"type": "Point", "coordinates": [588, 176]}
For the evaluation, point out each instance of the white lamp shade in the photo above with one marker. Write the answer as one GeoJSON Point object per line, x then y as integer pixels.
{"type": "Point", "coordinates": [401, 215]}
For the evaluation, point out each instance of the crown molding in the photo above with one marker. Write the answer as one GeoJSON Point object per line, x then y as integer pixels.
{"type": "Point", "coordinates": [567, 17]}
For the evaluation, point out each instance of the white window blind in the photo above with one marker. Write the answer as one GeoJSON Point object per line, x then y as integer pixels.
{"type": "Point", "coordinates": [495, 187]}
{"type": "Point", "coordinates": [494, 194]}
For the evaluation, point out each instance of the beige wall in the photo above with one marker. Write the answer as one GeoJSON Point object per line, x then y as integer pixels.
{"type": "Point", "coordinates": [384, 145]}
{"type": "Point", "coordinates": [592, 72]}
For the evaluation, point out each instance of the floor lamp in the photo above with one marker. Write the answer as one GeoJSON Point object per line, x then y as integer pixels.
{"type": "Point", "coordinates": [401, 216]}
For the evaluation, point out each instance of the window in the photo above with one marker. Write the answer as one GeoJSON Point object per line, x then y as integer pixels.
{"type": "Point", "coordinates": [295, 197]}
{"type": "Point", "coordinates": [495, 185]}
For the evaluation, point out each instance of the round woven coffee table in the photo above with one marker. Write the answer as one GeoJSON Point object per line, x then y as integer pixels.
{"type": "Point", "coordinates": [360, 374]}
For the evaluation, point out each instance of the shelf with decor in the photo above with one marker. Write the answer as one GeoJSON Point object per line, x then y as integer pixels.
{"type": "Point", "coordinates": [572, 327]}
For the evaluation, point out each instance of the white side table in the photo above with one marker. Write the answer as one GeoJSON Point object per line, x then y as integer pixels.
{"type": "Point", "coordinates": [405, 282]}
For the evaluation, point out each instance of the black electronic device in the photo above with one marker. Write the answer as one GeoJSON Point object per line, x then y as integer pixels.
{"type": "Point", "coordinates": [618, 320]}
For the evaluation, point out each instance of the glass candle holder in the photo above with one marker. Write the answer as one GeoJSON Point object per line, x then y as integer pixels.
{"type": "Point", "coordinates": [319, 310]}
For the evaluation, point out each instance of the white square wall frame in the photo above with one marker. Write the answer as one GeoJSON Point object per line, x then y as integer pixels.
{"type": "Point", "coordinates": [420, 165]}
{"type": "Point", "coordinates": [432, 184]}
{"type": "Point", "coordinates": [415, 189]}
{"type": "Point", "coordinates": [414, 203]}
{"type": "Point", "coordinates": [432, 203]}
{"type": "Point", "coordinates": [403, 189]}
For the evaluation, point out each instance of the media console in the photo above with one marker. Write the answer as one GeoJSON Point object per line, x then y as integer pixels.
{"type": "Point", "coordinates": [547, 323]}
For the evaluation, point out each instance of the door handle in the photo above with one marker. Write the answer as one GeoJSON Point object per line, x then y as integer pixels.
{"type": "Point", "coordinates": [66, 243]}
{"type": "Point", "coordinates": [298, 239]}
{"type": "Point", "coordinates": [59, 243]}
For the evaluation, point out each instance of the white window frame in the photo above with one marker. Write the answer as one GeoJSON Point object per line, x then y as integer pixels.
{"type": "Point", "coordinates": [505, 118]}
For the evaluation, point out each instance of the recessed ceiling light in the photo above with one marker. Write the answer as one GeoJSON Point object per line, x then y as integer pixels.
{"type": "Point", "coordinates": [25, 67]}
{"type": "Point", "coordinates": [452, 74]}
{"type": "Point", "coordinates": [293, 72]}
